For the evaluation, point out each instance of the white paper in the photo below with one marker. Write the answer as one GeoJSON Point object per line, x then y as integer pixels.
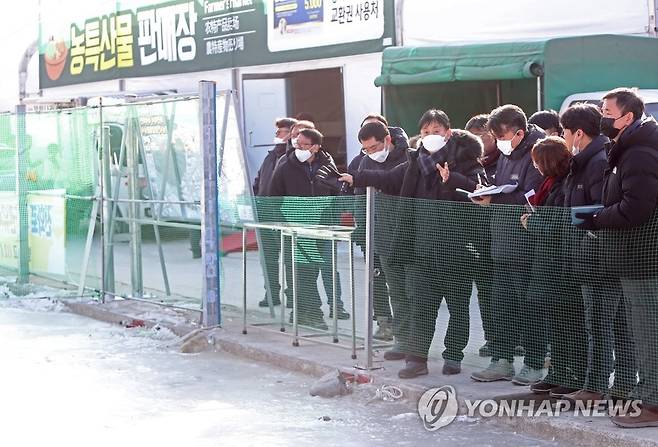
{"type": "Point", "coordinates": [528, 195]}
{"type": "Point", "coordinates": [493, 190]}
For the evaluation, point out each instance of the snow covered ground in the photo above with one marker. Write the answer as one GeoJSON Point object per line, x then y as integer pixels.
{"type": "Point", "coordinates": [69, 381]}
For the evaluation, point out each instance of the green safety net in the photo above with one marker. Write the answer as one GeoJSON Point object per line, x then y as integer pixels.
{"type": "Point", "coordinates": [460, 282]}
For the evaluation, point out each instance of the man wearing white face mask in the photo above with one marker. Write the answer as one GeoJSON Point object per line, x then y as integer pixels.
{"type": "Point", "coordinates": [281, 138]}
{"type": "Point", "coordinates": [381, 154]}
{"type": "Point", "coordinates": [432, 249]}
{"type": "Point", "coordinates": [268, 239]}
{"type": "Point", "coordinates": [510, 246]}
{"type": "Point", "coordinates": [298, 177]}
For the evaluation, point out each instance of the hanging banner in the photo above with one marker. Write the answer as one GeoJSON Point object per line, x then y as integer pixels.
{"type": "Point", "coordinates": [131, 39]}
{"type": "Point", "coordinates": [47, 231]}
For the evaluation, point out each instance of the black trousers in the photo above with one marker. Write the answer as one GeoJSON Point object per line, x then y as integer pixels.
{"type": "Point", "coordinates": [396, 278]}
{"type": "Point", "coordinates": [508, 308]}
{"type": "Point", "coordinates": [428, 286]}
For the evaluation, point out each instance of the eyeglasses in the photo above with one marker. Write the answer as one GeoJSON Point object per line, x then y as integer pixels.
{"type": "Point", "coordinates": [372, 147]}
{"type": "Point", "coordinates": [305, 145]}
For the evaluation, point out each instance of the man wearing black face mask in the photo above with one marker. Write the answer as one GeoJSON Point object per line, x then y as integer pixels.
{"type": "Point", "coordinates": [630, 196]}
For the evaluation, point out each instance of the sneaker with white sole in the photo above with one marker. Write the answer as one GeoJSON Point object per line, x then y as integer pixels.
{"type": "Point", "coordinates": [528, 376]}
{"type": "Point", "coordinates": [497, 370]}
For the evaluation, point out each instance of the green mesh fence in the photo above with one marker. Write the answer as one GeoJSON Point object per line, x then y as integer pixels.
{"type": "Point", "coordinates": [466, 284]}
{"type": "Point", "coordinates": [50, 185]}
{"type": "Point", "coordinates": [155, 165]}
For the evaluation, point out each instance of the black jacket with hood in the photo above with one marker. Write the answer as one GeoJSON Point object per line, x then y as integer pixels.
{"type": "Point", "coordinates": [264, 176]}
{"type": "Point", "coordinates": [630, 196]}
{"type": "Point", "coordinates": [400, 142]}
{"type": "Point", "coordinates": [426, 229]}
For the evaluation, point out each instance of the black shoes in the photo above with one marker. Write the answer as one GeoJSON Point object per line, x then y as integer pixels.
{"type": "Point", "coordinates": [394, 355]}
{"type": "Point", "coordinates": [342, 314]}
{"type": "Point", "coordinates": [413, 369]}
{"type": "Point", "coordinates": [264, 303]}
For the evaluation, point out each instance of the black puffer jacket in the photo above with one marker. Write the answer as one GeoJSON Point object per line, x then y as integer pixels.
{"type": "Point", "coordinates": [509, 241]}
{"type": "Point", "coordinates": [264, 176]}
{"type": "Point", "coordinates": [584, 186]}
{"type": "Point", "coordinates": [429, 230]}
{"type": "Point", "coordinates": [400, 142]}
{"type": "Point", "coordinates": [294, 178]}
{"type": "Point", "coordinates": [630, 196]}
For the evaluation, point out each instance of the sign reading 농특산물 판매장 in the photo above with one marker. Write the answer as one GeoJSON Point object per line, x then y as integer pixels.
{"type": "Point", "coordinates": [102, 40]}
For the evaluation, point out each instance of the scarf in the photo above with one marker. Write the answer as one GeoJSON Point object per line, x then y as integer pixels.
{"type": "Point", "coordinates": [540, 197]}
{"type": "Point", "coordinates": [427, 162]}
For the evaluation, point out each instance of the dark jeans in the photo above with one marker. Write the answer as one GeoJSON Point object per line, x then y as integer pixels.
{"type": "Point", "coordinates": [402, 311]}
{"type": "Point", "coordinates": [308, 297]}
{"type": "Point", "coordinates": [427, 289]}
{"type": "Point", "coordinates": [641, 300]}
{"type": "Point", "coordinates": [509, 308]}
{"type": "Point", "coordinates": [483, 273]}
{"type": "Point", "coordinates": [608, 331]}
{"type": "Point", "coordinates": [540, 301]}
{"type": "Point", "coordinates": [381, 305]}
{"type": "Point", "coordinates": [557, 309]}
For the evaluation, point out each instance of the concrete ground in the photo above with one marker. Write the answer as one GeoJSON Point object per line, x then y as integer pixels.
{"type": "Point", "coordinates": [270, 346]}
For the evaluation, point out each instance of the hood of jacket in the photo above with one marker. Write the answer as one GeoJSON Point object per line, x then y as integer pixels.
{"type": "Point", "coordinates": [465, 147]}
{"type": "Point", "coordinates": [399, 138]}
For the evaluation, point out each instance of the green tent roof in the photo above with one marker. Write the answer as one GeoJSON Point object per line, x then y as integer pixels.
{"type": "Point", "coordinates": [426, 65]}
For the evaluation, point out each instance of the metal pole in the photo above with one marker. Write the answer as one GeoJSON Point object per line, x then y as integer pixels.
{"type": "Point", "coordinates": [209, 204]}
{"type": "Point", "coordinates": [333, 282]}
{"type": "Point", "coordinates": [295, 328]}
{"type": "Point", "coordinates": [352, 298]}
{"type": "Point", "coordinates": [538, 93]}
{"type": "Point", "coordinates": [369, 274]}
{"type": "Point", "coordinates": [135, 228]}
{"type": "Point", "coordinates": [21, 192]}
{"type": "Point", "coordinates": [244, 280]}
{"type": "Point", "coordinates": [282, 282]}
{"type": "Point", "coordinates": [108, 245]}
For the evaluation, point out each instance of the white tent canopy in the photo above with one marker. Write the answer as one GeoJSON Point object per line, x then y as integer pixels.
{"type": "Point", "coordinates": [462, 21]}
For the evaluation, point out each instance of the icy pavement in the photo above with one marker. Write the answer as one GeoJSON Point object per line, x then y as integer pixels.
{"type": "Point", "coordinates": [70, 381]}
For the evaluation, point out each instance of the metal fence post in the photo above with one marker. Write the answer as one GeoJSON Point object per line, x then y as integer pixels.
{"type": "Point", "coordinates": [21, 192]}
{"type": "Point", "coordinates": [369, 273]}
{"type": "Point", "coordinates": [132, 151]}
{"type": "Point", "coordinates": [209, 204]}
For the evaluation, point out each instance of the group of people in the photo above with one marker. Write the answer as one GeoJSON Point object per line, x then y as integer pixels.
{"type": "Point", "coordinates": [563, 262]}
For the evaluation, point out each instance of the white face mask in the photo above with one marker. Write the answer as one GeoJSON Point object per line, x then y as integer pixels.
{"type": "Point", "coordinates": [574, 149]}
{"type": "Point", "coordinates": [505, 146]}
{"type": "Point", "coordinates": [294, 142]}
{"type": "Point", "coordinates": [379, 157]}
{"type": "Point", "coordinates": [432, 143]}
{"type": "Point", "coordinates": [303, 155]}
{"type": "Point", "coordinates": [278, 140]}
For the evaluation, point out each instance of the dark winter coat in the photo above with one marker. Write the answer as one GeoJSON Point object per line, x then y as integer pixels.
{"type": "Point", "coordinates": [630, 196]}
{"type": "Point", "coordinates": [426, 228]}
{"type": "Point", "coordinates": [584, 183]}
{"type": "Point", "coordinates": [584, 186]}
{"type": "Point", "coordinates": [509, 241]}
{"type": "Point", "coordinates": [294, 178]}
{"type": "Point", "coordinates": [264, 176]}
{"type": "Point", "coordinates": [400, 142]}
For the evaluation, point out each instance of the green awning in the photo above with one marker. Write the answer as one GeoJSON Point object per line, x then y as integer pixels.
{"type": "Point", "coordinates": [427, 65]}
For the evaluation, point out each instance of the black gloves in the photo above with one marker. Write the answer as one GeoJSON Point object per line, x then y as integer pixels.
{"type": "Point", "coordinates": [328, 176]}
{"type": "Point", "coordinates": [587, 223]}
